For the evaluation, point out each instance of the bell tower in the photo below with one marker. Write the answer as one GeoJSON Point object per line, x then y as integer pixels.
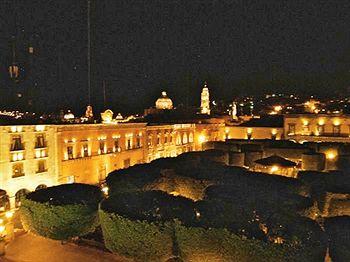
{"type": "Point", "coordinates": [205, 101]}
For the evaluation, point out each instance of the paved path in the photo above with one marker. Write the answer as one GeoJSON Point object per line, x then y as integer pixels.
{"type": "Point", "coordinates": [31, 248]}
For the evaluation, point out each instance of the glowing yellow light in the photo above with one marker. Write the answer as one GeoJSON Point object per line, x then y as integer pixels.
{"type": "Point", "coordinates": [201, 139]}
{"type": "Point", "coordinates": [37, 154]}
{"type": "Point", "coordinates": [1, 221]}
{"type": "Point", "coordinates": [39, 128]}
{"type": "Point", "coordinates": [274, 132]}
{"type": "Point", "coordinates": [105, 190]}
{"type": "Point", "coordinates": [9, 214]}
{"type": "Point", "coordinates": [331, 155]}
{"type": "Point", "coordinates": [274, 169]}
{"type": "Point", "coordinates": [13, 129]}
{"type": "Point", "coordinates": [2, 229]}
{"type": "Point", "coordinates": [20, 156]}
{"type": "Point", "coordinates": [336, 122]}
{"type": "Point", "coordinates": [321, 122]}
{"type": "Point", "coordinates": [14, 157]}
{"type": "Point", "coordinates": [277, 108]}
{"type": "Point", "coordinates": [305, 122]}
{"type": "Point", "coordinates": [174, 193]}
{"type": "Point", "coordinates": [19, 129]}
{"type": "Point", "coordinates": [198, 214]}
{"type": "Point", "coordinates": [74, 140]}
{"type": "Point", "coordinates": [249, 131]}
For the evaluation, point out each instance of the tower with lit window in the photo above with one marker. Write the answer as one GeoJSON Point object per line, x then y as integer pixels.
{"type": "Point", "coordinates": [205, 102]}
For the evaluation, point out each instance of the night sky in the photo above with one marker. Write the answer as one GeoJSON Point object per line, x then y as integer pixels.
{"type": "Point", "coordinates": [142, 47]}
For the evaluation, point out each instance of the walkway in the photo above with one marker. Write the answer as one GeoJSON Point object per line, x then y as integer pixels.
{"type": "Point", "coordinates": [31, 248]}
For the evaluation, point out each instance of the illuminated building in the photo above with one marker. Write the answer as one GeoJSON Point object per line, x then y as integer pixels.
{"type": "Point", "coordinates": [89, 113]}
{"type": "Point", "coordinates": [317, 127]}
{"type": "Point", "coordinates": [257, 128]}
{"type": "Point", "coordinates": [205, 100]}
{"type": "Point", "coordinates": [36, 156]}
{"type": "Point", "coordinates": [164, 102]}
{"type": "Point", "coordinates": [107, 116]}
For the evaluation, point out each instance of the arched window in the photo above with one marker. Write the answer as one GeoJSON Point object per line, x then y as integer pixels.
{"type": "Point", "coordinates": [178, 139]}
{"type": "Point", "coordinates": [19, 195]}
{"type": "Point", "coordinates": [184, 139]}
{"type": "Point", "coordinates": [190, 138]}
{"type": "Point", "coordinates": [41, 186]}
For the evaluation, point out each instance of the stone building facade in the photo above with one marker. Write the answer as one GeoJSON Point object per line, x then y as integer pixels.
{"type": "Point", "coordinates": [36, 156]}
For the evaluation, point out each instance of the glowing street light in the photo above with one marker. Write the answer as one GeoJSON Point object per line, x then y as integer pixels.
{"type": "Point", "coordinates": [105, 190]}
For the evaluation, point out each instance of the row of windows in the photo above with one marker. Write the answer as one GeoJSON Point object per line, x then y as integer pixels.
{"type": "Point", "coordinates": [168, 139]}
{"type": "Point", "coordinates": [17, 143]}
{"type": "Point", "coordinates": [102, 147]}
{"type": "Point", "coordinates": [319, 130]}
{"type": "Point", "coordinates": [18, 168]}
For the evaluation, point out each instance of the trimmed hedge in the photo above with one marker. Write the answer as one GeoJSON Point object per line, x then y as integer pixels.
{"type": "Point", "coordinates": [61, 212]}
{"type": "Point", "coordinates": [206, 245]}
{"type": "Point", "coordinates": [136, 239]}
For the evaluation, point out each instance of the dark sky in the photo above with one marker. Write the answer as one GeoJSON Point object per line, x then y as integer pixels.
{"type": "Point", "coordinates": [142, 47]}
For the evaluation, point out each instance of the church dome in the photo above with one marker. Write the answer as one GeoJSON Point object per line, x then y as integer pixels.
{"type": "Point", "coordinates": [164, 102]}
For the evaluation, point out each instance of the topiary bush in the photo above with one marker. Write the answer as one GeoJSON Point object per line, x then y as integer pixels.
{"type": "Point", "coordinates": [140, 224]}
{"type": "Point", "coordinates": [198, 244]}
{"type": "Point", "coordinates": [140, 240]}
{"type": "Point", "coordinates": [61, 212]}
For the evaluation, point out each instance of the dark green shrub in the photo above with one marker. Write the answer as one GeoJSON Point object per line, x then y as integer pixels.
{"type": "Point", "coordinates": [131, 179]}
{"type": "Point", "coordinates": [140, 240]}
{"type": "Point", "coordinates": [140, 224]}
{"type": "Point", "coordinates": [152, 206]}
{"type": "Point", "coordinates": [61, 212]}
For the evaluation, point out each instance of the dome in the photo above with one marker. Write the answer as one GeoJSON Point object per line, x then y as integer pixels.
{"type": "Point", "coordinates": [68, 116]}
{"type": "Point", "coordinates": [164, 102]}
{"type": "Point", "coordinates": [107, 116]}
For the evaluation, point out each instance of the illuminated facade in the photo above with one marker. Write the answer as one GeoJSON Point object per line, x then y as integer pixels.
{"type": "Point", "coordinates": [317, 127]}
{"type": "Point", "coordinates": [205, 100]}
{"type": "Point", "coordinates": [164, 102]}
{"type": "Point", "coordinates": [33, 156]}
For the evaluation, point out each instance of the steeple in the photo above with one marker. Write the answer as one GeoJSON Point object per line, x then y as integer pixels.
{"type": "Point", "coordinates": [205, 101]}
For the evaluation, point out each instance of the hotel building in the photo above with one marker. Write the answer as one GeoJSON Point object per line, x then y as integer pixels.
{"type": "Point", "coordinates": [36, 156]}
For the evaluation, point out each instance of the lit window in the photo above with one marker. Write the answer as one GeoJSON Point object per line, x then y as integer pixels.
{"type": "Point", "coordinates": [102, 147]}
{"type": "Point", "coordinates": [150, 142]}
{"type": "Point", "coordinates": [40, 141]}
{"type": "Point", "coordinates": [320, 129]}
{"type": "Point", "coordinates": [85, 150]}
{"type": "Point", "coordinates": [70, 152]}
{"type": "Point", "coordinates": [184, 139]}
{"type": "Point", "coordinates": [336, 130]}
{"type": "Point", "coordinates": [17, 143]}
{"type": "Point", "coordinates": [190, 138]}
{"type": "Point", "coordinates": [178, 140]}
{"type": "Point", "coordinates": [138, 141]}
{"type": "Point", "coordinates": [17, 170]}
{"type": "Point", "coordinates": [291, 129]}
{"type": "Point", "coordinates": [41, 166]}
{"type": "Point", "coordinates": [128, 143]}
